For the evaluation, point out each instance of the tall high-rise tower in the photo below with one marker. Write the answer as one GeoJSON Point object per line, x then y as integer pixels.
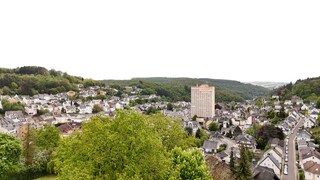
{"type": "Point", "coordinates": [203, 101]}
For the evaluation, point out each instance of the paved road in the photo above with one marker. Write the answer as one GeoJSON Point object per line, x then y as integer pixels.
{"type": "Point", "coordinates": [292, 168]}
{"type": "Point", "coordinates": [229, 143]}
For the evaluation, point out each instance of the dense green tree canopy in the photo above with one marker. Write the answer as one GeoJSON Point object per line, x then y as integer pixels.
{"type": "Point", "coordinates": [130, 146]}
{"type": "Point", "coordinates": [7, 106]}
{"type": "Point", "coordinates": [10, 154]}
{"type": "Point", "coordinates": [96, 108]}
{"type": "Point", "coordinates": [178, 89]}
{"type": "Point", "coordinates": [31, 80]}
{"type": "Point", "coordinates": [190, 164]}
{"type": "Point", "coordinates": [265, 133]}
{"type": "Point", "coordinates": [308, 89]}
{"type": "Point", "coordinates": [47, 138]}
{"type": "Point", "coordinates": [214, 126]}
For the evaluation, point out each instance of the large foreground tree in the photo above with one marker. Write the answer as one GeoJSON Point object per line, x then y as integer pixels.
{"type": "Point", "coordinates": [190, 164]}
{"type": "Point", "coordinates": [10, 154]}
{"type": "Point", "coordinates": [130, 146]}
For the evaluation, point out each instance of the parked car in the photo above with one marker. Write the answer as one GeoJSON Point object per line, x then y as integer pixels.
{"type": "Point", "coordinates": [285, 171]}
{"type": "Point", "coordinates": [286, 158]}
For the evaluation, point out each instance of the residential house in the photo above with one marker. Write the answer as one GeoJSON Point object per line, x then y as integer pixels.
{"type": "Point", "coordinates": [277, 107]}
{"type": "Point", "coordinates": [71, 109]}
{"type": "Point", "coordinates": [192, 124]}
{"type": "Point", "coordinates": [248, 122]}
{"type": "Point", "coordinates": [222, 156]}
{"type": "Point", "coordinates": [269, 161]}
{"type": "Point", "coordinates": [13, 114]}
{"type": "Point", "coordinates": [246, 141]}
{"type": "Point", "coordinates": [309, 123]}
{"type": "Point", "coordinates": [85, 109]}
{"type": "Point", "coordinates": [118, 106]}
{"type": "Point", "coordinates": [311, 170]}
{"type": "Point", "coordinates": [296, 99]}
{"type": "Point", "coordinates": [309, 155]}
{"type": "Point", "coordinates": [302, 144]}
{"type": "Point", "coordinates": [211, 146]}
{"type": "Point", "coordinates": [314, 114]}
{"type": "Point", "coordinates": [263, 173]}
{"type": "Point", "coordinates": [31, 110]}
{"type": "Point", "coordinates": [62, 118]}
{"type": "Point", "coordinates": [288, 102]}
{"type": "Point", "coordinates": [47, 107]}
{"type": "Point", "coordinates": [304, 107]}
{"type": "Point", "coordinates": [276, 146]}
{"type": "Point", "coordinates": [315, 110]}
{"type": "Point", "coordinates": [303, 135]}
{"type": "Point", "coordinates": [312, 145]}
{"type": "Point", "coordinates": [216, 136]}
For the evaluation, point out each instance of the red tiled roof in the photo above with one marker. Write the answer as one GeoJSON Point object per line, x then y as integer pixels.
{"type": "Point", "coordinates": [312, 167]}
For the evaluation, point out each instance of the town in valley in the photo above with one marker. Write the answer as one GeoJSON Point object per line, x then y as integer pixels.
{"type": "Point", "coordinates": [279, 135]}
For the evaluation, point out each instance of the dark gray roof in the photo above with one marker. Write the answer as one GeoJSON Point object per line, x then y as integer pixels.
{"type": "Point", "coordinates": [310, 153]}
{"type": "Point", "coordinates": [264, 173]}
{"type": "Point", "coordinates": [246, 138]}
{"type": "Point", "coordinates": [208, 144]}
{"type": "Point", "coordinates": [216, 134]}
{"type": "Point", "coordinates": [222, 155]}
{"type": "Point", "coordinates": [303, 131]}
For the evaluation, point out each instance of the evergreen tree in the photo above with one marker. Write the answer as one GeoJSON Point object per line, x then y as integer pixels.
{"type": "Point", "coordinates": [243, 168]}
{"type": "Point", "coordinates": [194, 118]}
{"type": "Point", "coordinates": [198, 134]}
{"type": "Point", "coordinates": [232, 165]}
{"type": "Point", "coordinates": [318, 103]}
{"type": "Point", "coordinates": [169, 107]}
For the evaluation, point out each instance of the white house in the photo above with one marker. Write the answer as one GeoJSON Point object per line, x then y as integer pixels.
{"type": "Point", "coordinates": [271, 162]}
{"type": "Point", "coordinates": [118, 106]}
{"type": "Point", "coordinates": [314, 115]}
{"type": "Point", "coordinates": [276, 152]}
{"type": "Point", "coordinates": [304, 107]}
{"type": "Point", "coordinates": [71, 109]}
{"type": "Point", "coordinates": [192, 124]}
{"type": "Point", "coordinates": [309, 122]}
{"type": "Point", "coordinates": [288, 102]}
{"type": "Point", "coordinates": [311, 170]}
{"type": "Point", "coordinates": [85, 109]}
{"type": "Point", "coordinates": [30, 110]}
{"type": "Point", "coordinates": [211, 146]}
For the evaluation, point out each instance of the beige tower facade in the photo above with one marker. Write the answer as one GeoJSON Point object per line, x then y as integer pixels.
{"type": "Point", "coordinates": [203, 101]}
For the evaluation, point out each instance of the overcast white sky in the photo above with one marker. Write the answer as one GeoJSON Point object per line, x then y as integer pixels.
{"type": "Point", "coordinates": [240, 40]}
